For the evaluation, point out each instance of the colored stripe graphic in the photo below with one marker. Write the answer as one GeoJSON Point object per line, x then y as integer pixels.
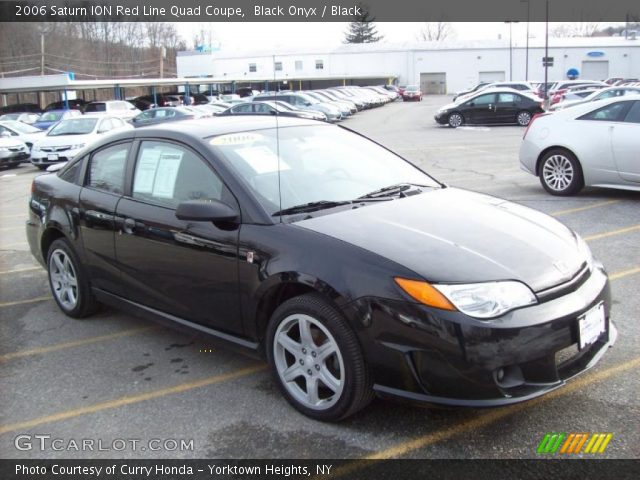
{"type": "Point", "coordinates": [572, 443]}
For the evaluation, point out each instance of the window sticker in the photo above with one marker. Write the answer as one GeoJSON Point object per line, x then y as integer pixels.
{"type": "Point", "coordinates": [261, 159]}
{"type": "Point", "coordinates": [167, 173]}
{"type": "Point", "coordinates": [245, 138]}
{"type": "Point", "coordinates": [146, 170]}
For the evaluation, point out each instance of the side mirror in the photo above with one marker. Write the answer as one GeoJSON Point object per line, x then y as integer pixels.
{"type": "Point", "coordinates": [206, 211]}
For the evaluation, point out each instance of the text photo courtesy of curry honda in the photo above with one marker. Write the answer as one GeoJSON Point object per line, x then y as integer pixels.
{"type": "Point", "coordinates": [230, 246]}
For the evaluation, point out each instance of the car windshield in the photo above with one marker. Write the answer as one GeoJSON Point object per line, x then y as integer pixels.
{"type": "Point", "coordinates": [308, 98]}
{"type": "Point", "coordinates": [50, 117]}
{"type": "Point", "coordinates": [74, 126]}
{"type": "Point", "coordinates": [316, 164]}
{"type": "Point", "coordinates": [22, 127]}
{"type": "Point", "coordinates": [412, 88]}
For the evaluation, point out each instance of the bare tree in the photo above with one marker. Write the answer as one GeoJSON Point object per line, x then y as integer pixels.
{"type": "Point", "coordinates": [577, 29]}
{"type": "Point", "coordinates": [435, 32]}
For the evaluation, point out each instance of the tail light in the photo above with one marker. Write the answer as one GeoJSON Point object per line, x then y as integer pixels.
{"type": "Point", "coordinates": [534, 118]}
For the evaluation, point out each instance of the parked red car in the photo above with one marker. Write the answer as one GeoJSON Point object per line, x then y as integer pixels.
{"type": "Point", "coordinates": [412, 92]}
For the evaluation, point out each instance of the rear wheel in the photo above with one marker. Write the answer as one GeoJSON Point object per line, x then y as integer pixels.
{"type": "Point", "coordinates": [316, 359]}
{"type": "Point", "coordinates": [68, 282]}
{"type": "Point", "coordinates": [42, 167]}
{"type": "Point", "coordinates": [523, 118]}
{"type": "Point", "coordinates": [560, 173]}
{"type": "Point", "coordinates": [455, 120]}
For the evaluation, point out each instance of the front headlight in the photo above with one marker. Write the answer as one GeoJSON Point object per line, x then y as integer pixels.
{"type": "Point", "coordinates": [479, 300]}
{"type": "Point", "coordinates": [488, 300]}
{"type": "Point", "coordinates": [76, 147]}
{"type": "Point", "coordinates": [585, 251]}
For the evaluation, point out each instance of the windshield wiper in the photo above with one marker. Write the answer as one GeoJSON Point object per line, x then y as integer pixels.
{"type": "Point", "coordinates": [397, 189]}
{"type": "Point", "coordinates": [310, 207]}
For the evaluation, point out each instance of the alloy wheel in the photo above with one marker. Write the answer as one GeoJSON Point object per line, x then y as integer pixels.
{"type": "Point", "coordinates": [558, 172]}
{"type": "Point", "coordinates": [524, 118]}
{"type": "Point", "coordinates": [64, 280]}
{"type": "Point", "coordinates": [309, 362]}
{"type": "Point", "coordinates": [455, 120]}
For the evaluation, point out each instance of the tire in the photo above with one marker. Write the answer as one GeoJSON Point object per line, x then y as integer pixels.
{"type": "Point", "coordinates": [523, 118]}
{"type": "Point", "coordinates": [42, 167]}
{"type": "Point", "coordinates": [327, 382]}
{"type": "Point", "coordinates": [455, 120]}
{"type": "Point", "coordinates": [68, 282]}
{"type": "Point", "coordinates": [560, 173]}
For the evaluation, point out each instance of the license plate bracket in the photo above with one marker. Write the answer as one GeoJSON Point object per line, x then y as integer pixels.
{"type": "Point", "coordinates": [52, 156]}
{"type": "Point", "coordinates": [591, 325]}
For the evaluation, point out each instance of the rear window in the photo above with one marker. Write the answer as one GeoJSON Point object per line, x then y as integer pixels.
{"type": "Point", "coordinates": [96, 107]}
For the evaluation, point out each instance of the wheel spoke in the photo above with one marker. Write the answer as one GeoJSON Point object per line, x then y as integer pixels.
{"type": "Point", "coordinates": [289, 344]}
{"type": "Point", "coordinates": [58, 263]}
{"type": "Point", "coordinates": [312, 390]}
{"type": "Point", "coordinates": [328, 379]}
{"type": "Point", "coordinates": [325, 350]}
{"type": "Point", "coordinates": [305, 332]}
{"type": "Point", "coordinates": [293, 372]}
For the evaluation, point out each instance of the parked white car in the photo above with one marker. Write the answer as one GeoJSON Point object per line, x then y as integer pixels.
{"type": "Point", "coordinates": [595, 144]}
{"type": "Point", "coordinates": [12, 151]}
{"type": "Point", "coordinates": [63, 141]}
{"type": "Point", "coordinates": [23, 132]}
{"type": "Point", "coordinates": [115, 108]}
{"type": "Point", "coordinates": [598, 95]}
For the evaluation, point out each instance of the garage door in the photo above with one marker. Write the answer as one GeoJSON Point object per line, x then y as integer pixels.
{"type": "Point", "coordinates": [491, 76]}
{"type": "Point", "coordinates": [433, 83]}
{"type": "Point", "coordinates": [595, 70]}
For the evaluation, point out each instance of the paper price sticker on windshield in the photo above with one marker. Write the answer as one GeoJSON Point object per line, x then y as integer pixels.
{"type": "Point", "coordinates": [236, 139]}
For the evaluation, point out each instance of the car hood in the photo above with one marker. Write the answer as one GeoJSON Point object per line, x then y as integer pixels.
{"type": "Point", "coordinates": [59, 140]}
{"type": "Point", "coordinates": [455, 236]}
{"type": "Point", "coordinates": [448, 106]}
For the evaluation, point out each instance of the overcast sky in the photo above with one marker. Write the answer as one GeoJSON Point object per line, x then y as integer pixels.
{"type": "Point", "coordinates": [244, 36]}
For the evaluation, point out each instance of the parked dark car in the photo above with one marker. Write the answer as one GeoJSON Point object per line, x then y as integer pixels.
{"type": "Point", "coordinates": [21, 107]}
{"type": "Point", "coordinates": [272, 108]}
{"type": "Point", "coordinates": [163, 114]}
{"type": "Point", "coordinates": [76, 104]}
{"type": "Point", "coordinates": [352, 271]}
{"type": "Point", "coordinates": [502, 106]}
{"type": "Point", "coordinates": [146, 102]}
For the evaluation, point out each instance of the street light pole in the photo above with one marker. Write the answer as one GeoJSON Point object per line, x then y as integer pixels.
{"type": "Point", "coordinates": [510, 50]}
{"type": "Point", "coordinates": [526, 65]}
{"type": "Point", "coordinates": [546, 55]}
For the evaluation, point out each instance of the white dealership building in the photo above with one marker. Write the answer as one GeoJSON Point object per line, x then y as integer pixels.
{"type": "Point", "coordinates": [442, 67]}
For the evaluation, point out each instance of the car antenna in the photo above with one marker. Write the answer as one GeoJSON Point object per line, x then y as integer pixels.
{"type": "Point", "coordinates": [277, 140]}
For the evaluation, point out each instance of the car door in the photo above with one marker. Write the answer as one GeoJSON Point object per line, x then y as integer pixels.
{"type": "Point", "coordinates": [242, 109]}
{"type": "Point", "coordinates": [625, 142]}
{"type": "Point", "coordinates": [186, 269]}
{"type": "Point", "coordinates": [102, 188]}
{"type": "Point", "coordinates": [507, 107]}
{"type": "Point", "coordinates": [481, 109]}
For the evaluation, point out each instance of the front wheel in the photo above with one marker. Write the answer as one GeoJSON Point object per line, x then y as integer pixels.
{"type": "Point", "coordinates": [316, 359]}
{"type": "Point", "coordinates": [560, 173]}
{"type": "Point", "coordinates": [455, 120]}
{"type": "Point", "coordinates": [523, 118]}
{"type": "Point", "coordinates": [69, 285]}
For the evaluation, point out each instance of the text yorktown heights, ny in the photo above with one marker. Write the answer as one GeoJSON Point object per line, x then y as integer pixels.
{"type": "Point", "coordinates": [184, 13]}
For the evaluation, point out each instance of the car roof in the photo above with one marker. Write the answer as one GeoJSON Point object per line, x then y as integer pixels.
{"type": "Point", "coordinates": [208, 127]}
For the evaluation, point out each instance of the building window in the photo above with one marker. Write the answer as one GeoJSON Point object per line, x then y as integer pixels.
{"type": "Point", "coordinates": [253, 68]}
{"type": "Point", "coordinates": [278, 66]}
{"type": "Point", "coordinates": [319, 64]}
{"type": "Point", "coordinates": [298, 64]}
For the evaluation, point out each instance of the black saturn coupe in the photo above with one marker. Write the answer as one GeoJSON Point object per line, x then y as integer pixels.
{"type": "Point", "coordinates": [352, 271]}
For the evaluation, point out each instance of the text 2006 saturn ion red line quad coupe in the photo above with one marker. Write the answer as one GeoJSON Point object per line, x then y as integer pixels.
{"type": "Point", "coordinates": [352, 271]}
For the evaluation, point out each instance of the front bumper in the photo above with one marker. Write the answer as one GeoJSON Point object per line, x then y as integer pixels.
{"type": "Point", "coordinates": [38, 157]}
{"type": "Point", "coordinates": [439, 357]}
{"type": "Point", "coordinates": [11, 157]}
{"type": "Point", "coordinates": [441, 117]}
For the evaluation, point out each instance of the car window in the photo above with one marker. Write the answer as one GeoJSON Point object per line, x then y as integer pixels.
{"type": "Point", "coordinates": [242, 108]}
{"type": "Point", "coordinates": [5, 129]}
{"type": "Point", "coordinates": [261, 108]}
{"type": "Point", "coordinates": [96, 107]}
{"type": "Point", "coordinates": [71, 171]}
{"type": "Point", "coordinates": [610, 113]}
{"type": "Point", "coordinates": [484, 99]}
{"type": "Point", "coordinates": [167, 174]}
{"type": "Point", "coordinates": [508, 98]}
{"type": "Point", "coordinates": [633, 116]}
{"type": "Point", "coordinates": [107, 167]}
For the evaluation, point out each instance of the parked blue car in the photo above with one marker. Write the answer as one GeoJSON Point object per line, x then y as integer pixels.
{"type": "Point", "coordinates": [47, 119]}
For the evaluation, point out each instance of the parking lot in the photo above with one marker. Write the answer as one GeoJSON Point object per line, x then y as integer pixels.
{"type": "Point", "coordinates": [114, 376]}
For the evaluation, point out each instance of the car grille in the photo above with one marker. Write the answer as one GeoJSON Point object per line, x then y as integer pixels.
{"type": "Point", "coordinates": [55, 149]}
{"type": "Point", "coordinates": [567, 354]}
{"type": "Point", "coordinates": [564, 288]}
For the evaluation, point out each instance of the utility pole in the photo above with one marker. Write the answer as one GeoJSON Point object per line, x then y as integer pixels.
{"type": "Point", "coordinates": [546, 55]}
{"type": "Point", "coordinates": [41, 66]}
{"type": "Point", "coordinates": [526, 68]}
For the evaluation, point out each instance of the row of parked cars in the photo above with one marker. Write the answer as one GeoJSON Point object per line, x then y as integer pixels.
{"type": "Point", "coordinates": [59, 134]}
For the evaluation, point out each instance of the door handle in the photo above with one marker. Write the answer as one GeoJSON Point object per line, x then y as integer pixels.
{"type": "Point", "coordinates": [129, 226]}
